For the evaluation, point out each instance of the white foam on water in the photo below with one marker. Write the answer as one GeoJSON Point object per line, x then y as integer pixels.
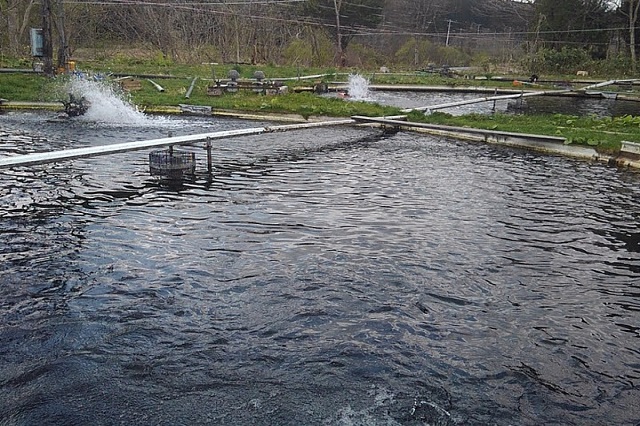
{"type": "Point", "coordinates": [376, 414]}
{"type": "Point", "coordinates": [111, 107]}
{"type": "Point", "coordinates": [359, 88]}
{"type": "Point", "coordinates": [107, 105]}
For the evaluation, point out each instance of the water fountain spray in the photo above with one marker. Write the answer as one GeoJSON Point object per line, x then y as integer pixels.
{"type": "Point", "coordinates": [104, 102]}
{"type": "Point", "coordinates": [359, 87]}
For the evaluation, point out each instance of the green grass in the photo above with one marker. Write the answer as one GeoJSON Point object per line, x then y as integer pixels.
{"type": "Point", "coordinates": [23, 87]}
{"type": "Point", "coordinates": [604, 134]}
{"type": "Point", "coordinates": [305, 103]}
{"type": "Point", "coordinates": [208, 71]}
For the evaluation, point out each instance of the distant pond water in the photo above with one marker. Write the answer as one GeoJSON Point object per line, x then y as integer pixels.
{"type": "Point", "coordinates": [530, 105]}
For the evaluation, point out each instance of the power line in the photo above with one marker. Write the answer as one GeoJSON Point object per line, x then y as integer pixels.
{"type": "Point", "coordinates": [174, 3]}
{"type": "Point", "coordinates": [357, 30]}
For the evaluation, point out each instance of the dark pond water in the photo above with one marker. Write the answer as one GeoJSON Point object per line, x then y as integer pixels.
{"type": "Point", "coordinates": [325, 277]}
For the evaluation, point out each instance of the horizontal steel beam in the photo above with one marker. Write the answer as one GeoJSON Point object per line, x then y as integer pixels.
{"type": "Point", "coordinates": [486, 99]}
{"type": "Point", "coordinates": [94, 151]}
{"type": "Point", "coordinates": [454, 129]}
{"type": "Point", "coordinates": [516, 96]}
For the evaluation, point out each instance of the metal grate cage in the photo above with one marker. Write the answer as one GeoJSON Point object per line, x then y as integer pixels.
{"type": "Point", "coordinates": [172, 163]}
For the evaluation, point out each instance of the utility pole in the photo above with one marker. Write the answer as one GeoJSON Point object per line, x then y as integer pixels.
{"type": "Point", "coordinates": [47, 36]}
{"type": "Point", "coordinates": [448, 32]}
{"type": "Point", "coordinates": [337, 5]}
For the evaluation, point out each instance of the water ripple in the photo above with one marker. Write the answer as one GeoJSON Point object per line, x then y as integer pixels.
{"type": "Point", "coordinates": [352, 278]}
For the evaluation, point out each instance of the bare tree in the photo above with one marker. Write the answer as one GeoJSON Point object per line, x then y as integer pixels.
{"type": "Point", "coordinates": [344, 19]}
{"type": "Point", "coordinates": [632, 9]}
{"type": "Point", "coordinates": [258, 32]}
{"type": "Point", "coordinates": [63, 46]}
{"type": "Point", "coordinates": [18, 15]}
{"type": "Point", "coordinates": [503, 13]}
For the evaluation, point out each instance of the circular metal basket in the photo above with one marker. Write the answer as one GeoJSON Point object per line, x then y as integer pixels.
{"type": "Point", "coordinates": [172, 163]}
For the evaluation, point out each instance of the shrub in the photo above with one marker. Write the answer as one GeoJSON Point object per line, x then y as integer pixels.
{"type": "Point", "coordinates": [420, 53]}
{"type": "Point", "coordinates": [314, 50]}
{"type": "Point", "coordinates": [364, 57]}
{"type": "Point", "coordinates": [564, 61]}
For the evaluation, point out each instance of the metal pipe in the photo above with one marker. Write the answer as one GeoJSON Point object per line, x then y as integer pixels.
{"type": "Point", "coordinates": [193, 83]}
{"type": "Point", "coordinates": [515, 96]}
{"type": "Point", "coordinates": [485, 99]}
{"type": "Point", "coordinates": [156, 85]}
{"type": "Point", "coordinates": [94, 151]}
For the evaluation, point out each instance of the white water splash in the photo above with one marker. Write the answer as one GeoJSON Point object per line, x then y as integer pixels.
{"type": "Point", "coordinates": [107, 105]}
{"type": "Point", "coordinates": [359, 88]}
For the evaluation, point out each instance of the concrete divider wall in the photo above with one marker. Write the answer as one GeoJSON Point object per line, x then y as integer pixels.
{"type": "Point", "coordinates": [629, 155]}
{"type": "Point", "coordinates": [540, 143]}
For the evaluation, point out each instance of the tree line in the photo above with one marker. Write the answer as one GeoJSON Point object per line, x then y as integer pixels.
{"type": "Point", "coordinates": [410, 33]}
